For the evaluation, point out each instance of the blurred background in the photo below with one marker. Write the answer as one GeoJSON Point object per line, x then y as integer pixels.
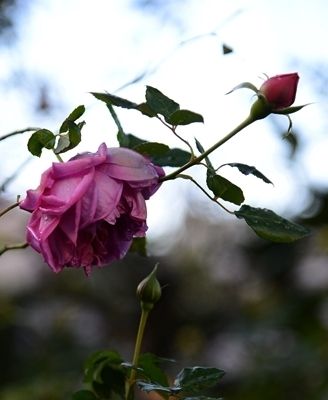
{"type": "Point", "coordinates": [255, 309]}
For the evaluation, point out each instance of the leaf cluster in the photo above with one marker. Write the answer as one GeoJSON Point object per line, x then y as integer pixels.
{"type": "Point", "coordinates": [68, 138]}
{"type": "Point", "coordinates": [106, 377]}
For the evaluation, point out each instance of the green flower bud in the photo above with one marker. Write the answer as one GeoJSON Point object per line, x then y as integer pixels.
{"type": "Point", "coordinates": [149, 291]}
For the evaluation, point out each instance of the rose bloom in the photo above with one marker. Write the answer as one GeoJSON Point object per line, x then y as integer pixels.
{"type": "Point", "coordinates": [280, 90]}
{"type": "Point", "coordinates": [87, 210]}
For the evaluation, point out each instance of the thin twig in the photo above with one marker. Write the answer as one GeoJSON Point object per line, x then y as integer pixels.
{"type": "Point", "coordinates": [173, 130]}
{"type": "Point", "coordinates": [5, 210]}
{"type": "Point", "coordinates": [16, 246]}
{"type": "Point", "coordinates": [190, 178]}
{"type": "Point", "coordinates": [18, 133]}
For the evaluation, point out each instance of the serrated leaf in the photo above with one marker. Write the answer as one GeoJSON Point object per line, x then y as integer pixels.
{"type": "Point", "coordinates": [268, 225]}
{"type": "Point", "coordinates": [74, 115]}
{"type": "Point", "coordinates": [196, 380]}
{"type": "Point", "coordinates": [128, 140]}
{"type": "Point", "coordinates": [184, 117]}
{"type": "Point", "coordinates": [159, 103]}
{"type": "Point", "coordinates": [114, 100]}
{"type": "Point", "coordinates": [249, 170]}
{"type": "Point", "coordinates": [152, 149]}
{"type": "Point", "coordinates": [200, 148]}
{"type": "Point", "coordinates": [71, 139]}
{"type": "Point", "coordinates": [224, 189]}
{"type": "Point", "coordinates": [43, 138]}
{"type": "Point", "coordinates": [173, 158]}
{"type": "Point", "coordinates": [149, 387]}
{"type": "Point", "coordinates": [84, 395]}
{"type": "Point", "coordinates": [146, 110]}
{"type": "Point", "coordinates": [150, 365]}
{"type": "Point", "coordinates": [139, 246]}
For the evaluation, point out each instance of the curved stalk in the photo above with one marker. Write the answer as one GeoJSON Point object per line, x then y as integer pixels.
{"type": "Point", "coordinates": [198, 159]}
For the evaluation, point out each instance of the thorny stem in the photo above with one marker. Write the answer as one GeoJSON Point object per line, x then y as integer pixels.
{"type": "Point", "coordinates": [137, 349]}
{"type": "Point", "coordinates": [16, 246]}
{"type": "Point", "coordinates": [197, 160]}
{"type": "Point", "coordinates": [17, 133]}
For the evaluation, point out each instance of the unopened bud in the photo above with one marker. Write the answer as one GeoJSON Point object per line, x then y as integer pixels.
{"type": "Point", "coordinates": [149, 291]}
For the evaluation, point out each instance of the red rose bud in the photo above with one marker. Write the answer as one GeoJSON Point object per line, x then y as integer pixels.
{"type": "Point", "coordinates": [280, 90]}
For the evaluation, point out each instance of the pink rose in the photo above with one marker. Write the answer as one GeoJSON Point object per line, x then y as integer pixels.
{"type": "Point", "coordinates": [87, 210]}
{"type": "Point", "coordinates": [280, 90]}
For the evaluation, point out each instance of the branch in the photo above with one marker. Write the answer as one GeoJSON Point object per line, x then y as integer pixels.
{"type": "Point", "coordinates": [18, 133]}
{"type": "Point", "coordinates": [16, 246]}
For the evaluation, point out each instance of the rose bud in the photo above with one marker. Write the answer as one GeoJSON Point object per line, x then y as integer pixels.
{"type": "Point", "coordinates": [86, 211]}
{"type": "Point", "coordinates": [280, 90]}
{"type": "Point", "coordinates": [149, 291]}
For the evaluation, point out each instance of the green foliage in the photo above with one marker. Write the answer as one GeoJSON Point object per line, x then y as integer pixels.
{"type": "Point", "coordinates": [114, 100]}
{"type": "Point", "coordinates": [39, 140]}
{"type": "Point", "coordinates": [160, 104]}
{"type": "Point", "coordinates": [247, 170]}
{"type": "Point", "coordinates": [191, 382]}
{"type": "Point", "coordinates": [224, 189]}
{"type": "Point", "coordinates": [105, 374]}
{"type": "Point", "coordinates": [156, 103]}
{"type": "Point", "coordinates": [84, 395]}
{"type": "Point", "coordinates": [184, 117]}
{"type": "Point", "coordinates": [43, 138]}
{"type": "Point", "coordinates": [268, 225]}
{"type": "Point", "coordinates": [72, 137]}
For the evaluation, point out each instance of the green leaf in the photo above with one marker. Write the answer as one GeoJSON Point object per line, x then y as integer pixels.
{"type": "Point", "coordinates": [139, 246]}
{"type": "Point", "coordinates": [71, 139]}
{"type": "Point", "coordinates": [159, 103]}
{"type": "Point", "coordinates": [74, 115]}
{"type": "Point", "coordinates": [128, 140]}
{"type": "Point", "coordinates": [247, 169]}
{"type": "Point", "coordinates": [149, 387]}
{"type": "Point", "coordinates": [196, 380]}
{"type": "Point", "coordinates": [268, 225]}
{"type": "Point", "coordinates": [200, 148]}
{"type": "Point", "coordinates": [146, 110]}
{"type": "Point", "coordinates": [173, 158]}
{"type": "Point", "coordinates": [149, 363]}
{"type": "Point", "coordinates": [223, 188]}
{"type": "Point", "coordinates": [43, 138]}
{"type": "Point", "coordinates": [115, 100]}
{"type": "Point", "coordinates": [84, 395]}
{"type": "Point", "coordinates": [95, 363]}
{"type": "Point", "coordinates": [152, 149]}
{"type": "Point", "coordinates": [184, 117]}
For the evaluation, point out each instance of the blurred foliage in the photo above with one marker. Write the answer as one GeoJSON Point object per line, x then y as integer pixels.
{"type": "Point", "coordinates": [229, 300]}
